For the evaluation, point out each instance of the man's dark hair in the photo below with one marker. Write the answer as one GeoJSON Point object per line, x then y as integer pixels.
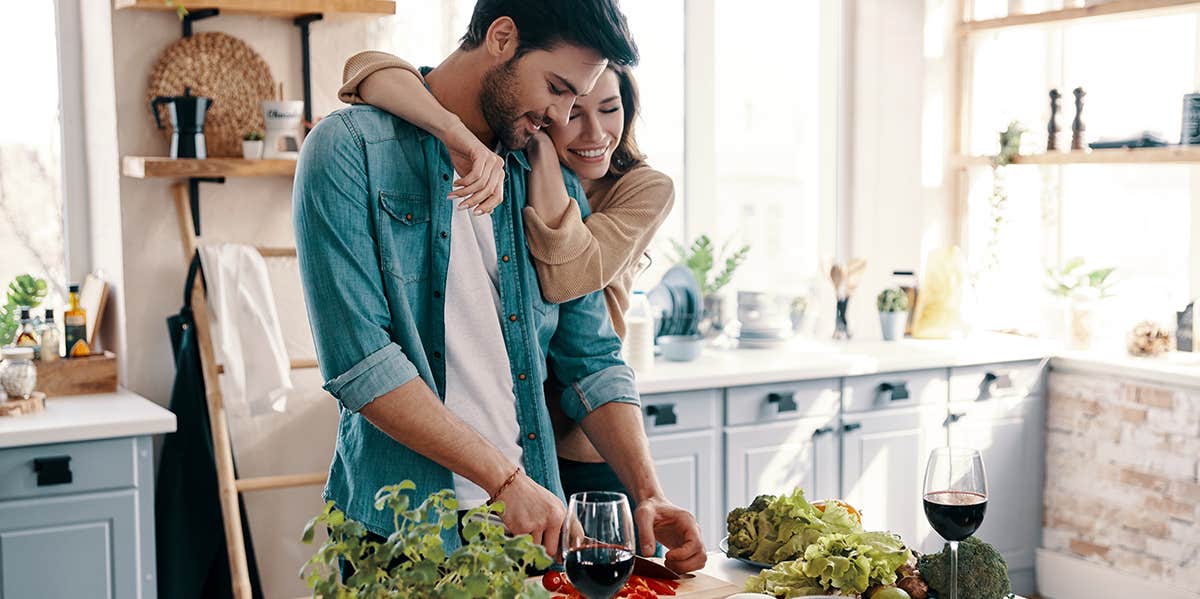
{"type": "Point", "coordinates": [542, 24]}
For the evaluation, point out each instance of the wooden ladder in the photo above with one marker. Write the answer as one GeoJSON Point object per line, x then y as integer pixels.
{"type": "Point", "coordinates": [228, 485]}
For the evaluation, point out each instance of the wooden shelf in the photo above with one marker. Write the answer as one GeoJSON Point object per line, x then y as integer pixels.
{"type": "Point", "coordinates": [1163, 155]}
{"type": "Point", "coordinates": [276, 8]}
{"type": "Point", "coordinates": [1108, 9]}
{"type": "Point", "coordinates": [146, 167]}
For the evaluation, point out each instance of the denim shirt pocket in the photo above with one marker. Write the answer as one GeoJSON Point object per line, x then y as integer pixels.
{"type": "Point", "coordinates": [405, 234]}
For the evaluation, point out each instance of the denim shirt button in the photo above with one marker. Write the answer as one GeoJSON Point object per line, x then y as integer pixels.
{"type": "Point", "coordinates": [443, 234]}
{"type": "Point", "coordinates": [445, 177]}
{"type": "Point", "coordinates": [532, 437]}
{"type": "Point", "coordinates": [437, 354]}
{"type": "Point", "coordinates": [521, 376]}
{"type": "Point", "coordinates": [504, 258]}
{"type": "Point", "coordinates": [512, 317]}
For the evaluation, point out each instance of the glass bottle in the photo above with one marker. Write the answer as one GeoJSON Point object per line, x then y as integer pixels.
{"type": "Point", "coordinates": [27, 335]}
{"type": "Point", "coordinates": [50, 338]}
{"type": "Point", "coordinates": [75, 321]}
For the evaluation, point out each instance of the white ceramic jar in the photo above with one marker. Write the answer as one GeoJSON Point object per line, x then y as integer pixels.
{"type": "Point", "coordinates": [18, 375]}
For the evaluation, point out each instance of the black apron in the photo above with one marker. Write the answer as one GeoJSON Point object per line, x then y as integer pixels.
{"type": "Point", "coordinates": [189, 529]}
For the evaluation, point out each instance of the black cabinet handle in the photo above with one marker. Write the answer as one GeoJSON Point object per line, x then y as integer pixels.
{"type": "Point", "coordinates": [824, 430]}
{"type": "Point", "coordinates": [664, 415]}
{"type": "Point", "coordinates": [786, 402]}
{"type": "Point", "coordinates": [850, 427]}
{"type": "Point", "coordinates": [897, 391]}
{"type": "Point", "coordinates": [53, 471]}
{"type": "Point", "coordinates": [993, 382]}
{"type": "Point", "coordinates": [954, 417]}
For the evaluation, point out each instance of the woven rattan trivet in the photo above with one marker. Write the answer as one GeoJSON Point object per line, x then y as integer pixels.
{"type": "Point", "coordinates": [221, 67]}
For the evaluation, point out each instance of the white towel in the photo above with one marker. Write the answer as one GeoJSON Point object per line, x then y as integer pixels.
{"type": "Point", "coordinates": [247, 338]}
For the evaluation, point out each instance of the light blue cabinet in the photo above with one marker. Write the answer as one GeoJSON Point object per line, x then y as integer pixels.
{"type": "Point", "coordinates": [77, 520]}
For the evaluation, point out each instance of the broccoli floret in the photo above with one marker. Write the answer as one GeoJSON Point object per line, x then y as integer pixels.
{"type": "Point", "coordinates": [982, 573]}
{"type": "Point", "coordinates": [744, 525]}
{"type": "Point", "coordinates": [761, 503]}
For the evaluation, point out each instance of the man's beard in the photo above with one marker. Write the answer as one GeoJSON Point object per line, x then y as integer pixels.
{"type": "Point", "coordinates": [498, 100]}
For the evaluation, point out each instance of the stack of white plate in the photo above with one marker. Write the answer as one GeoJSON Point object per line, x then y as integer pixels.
{"type": "Point", "coordinates": [763, 320]}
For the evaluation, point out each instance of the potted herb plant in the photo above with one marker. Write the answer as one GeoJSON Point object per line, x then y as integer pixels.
{"type": "Point", "coordinates": [1081, 289]}
{"type": "Point", "coordinates": [893, 312]}
{"type": "Point", "coordinates": [252, 145]}
{"type": "Point", "coordinates": [700, 257]}
{"type": "Point", "coordinates": [412, 562]}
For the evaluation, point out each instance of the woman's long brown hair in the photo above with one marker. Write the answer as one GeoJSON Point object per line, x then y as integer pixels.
{"type": "Point", "coordinates": [626, 156]}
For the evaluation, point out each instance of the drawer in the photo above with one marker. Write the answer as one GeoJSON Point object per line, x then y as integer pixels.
{"type": "Point", "coordinates": [684, 411]}
{"type": "Point", "coordinates": [773, 403]}
{"type": "Point", "coordinates": [1009, 379]}
{"type": "Point", "coordinates": [90, 466]}
{"type": "Point", "coordinates": [895, 390]}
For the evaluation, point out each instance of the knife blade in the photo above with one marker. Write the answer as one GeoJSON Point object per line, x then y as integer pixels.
{"type": "Point", "coordinates": [649, 568]}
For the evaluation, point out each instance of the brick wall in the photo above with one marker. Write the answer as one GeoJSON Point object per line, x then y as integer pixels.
{"type": "Point", "coordinates": [1122, 468]}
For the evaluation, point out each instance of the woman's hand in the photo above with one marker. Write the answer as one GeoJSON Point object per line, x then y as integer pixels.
{"type": "Point", "coordinates": [481, 183]}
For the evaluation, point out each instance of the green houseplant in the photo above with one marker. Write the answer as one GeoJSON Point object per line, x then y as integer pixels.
{"type": "Point", "coordinates": [893, 312]}
{"type": "Point", "coordinates": [252, 145]}
{"type": "Point", "coordinates": [700, 258]}
{"type": "Point", "coordinates": [25, 290]}
{"type": "Point", "coordinates": [1080, 288]}
{"type": "Point", "coordinates": [412, 562]}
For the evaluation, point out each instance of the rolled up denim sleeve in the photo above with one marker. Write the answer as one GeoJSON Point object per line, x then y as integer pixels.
{"type": "Point", "coordinates": [585, 352]}
{"type": "Point", "coordinates": [339, 268]}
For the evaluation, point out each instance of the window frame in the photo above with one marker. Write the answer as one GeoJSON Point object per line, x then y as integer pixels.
{"type": "Point", "coordinates": [77, 233]}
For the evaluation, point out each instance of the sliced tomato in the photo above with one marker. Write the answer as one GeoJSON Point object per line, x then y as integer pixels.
{"type": "Point", "coordinates": [662, 587]}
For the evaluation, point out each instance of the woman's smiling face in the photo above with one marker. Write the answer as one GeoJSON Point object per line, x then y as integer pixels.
{"type": "Point", "coordinates": [586, 143]}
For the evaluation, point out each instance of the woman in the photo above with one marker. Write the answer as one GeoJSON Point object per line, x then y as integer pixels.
{"type": "Point", "coordinates": [628, 199]}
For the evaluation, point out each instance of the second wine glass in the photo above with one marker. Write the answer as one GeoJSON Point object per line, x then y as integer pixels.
{"type": "Point", "coordinates": [598, 543]}
{"type": "Point", "coordinates": [955, 499]}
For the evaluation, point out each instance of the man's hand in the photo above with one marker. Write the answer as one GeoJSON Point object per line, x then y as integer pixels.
{"type": "Point", "coordinates": [660, 521]}
{"type": "Point", "coordinates": [480, 186]}
{"type": "Point", "coordinates": [530, 508]}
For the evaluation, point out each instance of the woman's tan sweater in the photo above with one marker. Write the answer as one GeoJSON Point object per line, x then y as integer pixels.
{"type": "Point", "coordinates": [578, 257]}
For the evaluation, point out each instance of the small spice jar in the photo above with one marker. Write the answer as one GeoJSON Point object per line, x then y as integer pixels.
{"type": "Point", "coordinates": [18, 375]}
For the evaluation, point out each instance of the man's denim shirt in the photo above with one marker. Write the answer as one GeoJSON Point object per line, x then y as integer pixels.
{"type": "Point", "coordinates": [373, 231]}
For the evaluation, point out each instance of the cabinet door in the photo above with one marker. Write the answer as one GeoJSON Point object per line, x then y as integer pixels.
{"type": "Point", "coordinates": [883, 468]}
{"type": "Point", "coordinates": [688, 470]}
{"type": "Point", "coordinates": [776, 458]}
{"type": "Point", "coordinates": [77, 546]}
{"type": "Point", "coordinates": [1009, 433]}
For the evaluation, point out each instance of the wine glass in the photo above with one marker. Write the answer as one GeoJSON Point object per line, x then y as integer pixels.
{"type": "Point", "coordinates": [598, 543]}
{"type": "Point", "coordinates": [955, 498]}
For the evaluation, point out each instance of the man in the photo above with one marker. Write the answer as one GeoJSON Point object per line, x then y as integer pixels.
{"type": "Point", "coordinates": [429, 324]}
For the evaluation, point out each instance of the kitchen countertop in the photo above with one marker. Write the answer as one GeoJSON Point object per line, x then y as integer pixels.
{"type": "Point", "coordinates": [87, 417]}
{"type": "Point", "coordinates": [731, 570]}
{"type": "Point", "coordinates": [807, 359]}
{"type": "Point", "coordinates": [810, 359]}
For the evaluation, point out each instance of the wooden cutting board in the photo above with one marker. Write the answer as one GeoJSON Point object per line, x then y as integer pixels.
{"type": "Point", "coordinates": [703, 586]}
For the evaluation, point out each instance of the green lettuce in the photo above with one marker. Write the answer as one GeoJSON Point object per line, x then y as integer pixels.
{"type": "Point", "coordinates": [815, 552]}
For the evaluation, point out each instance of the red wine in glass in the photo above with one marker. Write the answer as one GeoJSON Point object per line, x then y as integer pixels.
{"type": "Point", "coordinates": [955, 498]}
{"type": "Point", "coordinates": [598, 543]}
{"type": "Point", "coordinates": [599, 570]}
{"type": "Point", "coordinates": [955, 515]}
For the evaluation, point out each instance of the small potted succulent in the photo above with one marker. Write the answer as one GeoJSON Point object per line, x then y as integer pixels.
{"type": "Point", "coordinates": [252, 145]}
{"type": "Point", "coordinates": [893, 312]}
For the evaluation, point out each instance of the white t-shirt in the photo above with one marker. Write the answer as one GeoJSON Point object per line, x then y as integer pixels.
{"type": "Point", "coordinates": [479, 385]}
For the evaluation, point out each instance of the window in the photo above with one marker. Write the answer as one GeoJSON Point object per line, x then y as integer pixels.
{"type": "Point", "coordinates": [766, 137]}
{"type": "Point", "coordinates": [31, 164]}
{"type": "Point", "coordinates": [1135, 217]}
